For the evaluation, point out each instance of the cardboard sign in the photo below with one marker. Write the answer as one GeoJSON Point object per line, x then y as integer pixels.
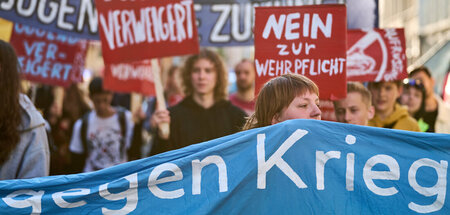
{"type": "Point", "coordinates": [307, 40]}
{"type": "Point", "coordinates": [376, 55]}
{"type": "Point", "coordinates": [47, 57]}
{"type": "Point", "coordinates": [140, 30]}
{"type": "Point", "coordinates": [132, 77]}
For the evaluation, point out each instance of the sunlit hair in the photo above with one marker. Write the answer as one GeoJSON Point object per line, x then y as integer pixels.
{"type": "Point", "coordinates": [10, 116]}
{"type": "Point", "coordinates": [221, 88]}
{"type": "Point", "coordinates": [423, 69]}
{"type": "Point", "coordinates": [417, 84]}
{"type": "Point", "coordinates": [276, 95]}
{"type": "Point", "coordinates": [363, 91]}
{"type": "Point", "coordinates": [171, 82]}
{"type": "Point", "coordinates": [377, 85]}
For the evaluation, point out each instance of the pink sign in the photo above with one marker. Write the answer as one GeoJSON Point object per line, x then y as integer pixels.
{"type": "Point", "coordinates": [130, 77]}
{"type": "Point", "coordinates": [376, 55]}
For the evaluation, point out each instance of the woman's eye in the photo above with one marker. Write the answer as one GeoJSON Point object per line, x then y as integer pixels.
{"type": "Point", "coordinates": [302, 106]}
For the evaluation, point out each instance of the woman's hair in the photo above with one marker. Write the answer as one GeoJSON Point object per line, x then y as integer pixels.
{"type": "Point", "coordinates": [276, 95]}
{"type": "Point", "coordinates": [417, 84]}
{"type": "Point", "coordinates": [220, 90]}
{"type": "Point", "coordinates": [171, 83]}
{"type": "Point", "coordinates": [10, 110]}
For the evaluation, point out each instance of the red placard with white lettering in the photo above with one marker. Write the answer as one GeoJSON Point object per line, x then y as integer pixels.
{"type": "Point", "coordinates": [130, 77]}
{"type": "Point", "coordinates": [48, 58]}
{"type": "Point", "coordinates": [139, 30]}
{"type": "Point", "coordinates": [376, 55]}
{"type": "Point", "coordinates": [308, 40]}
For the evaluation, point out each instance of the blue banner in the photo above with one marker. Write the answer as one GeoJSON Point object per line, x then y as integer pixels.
{"type": "Point", "coordinates": [76, 18]}
{"type": "Point", "coordinates": [294, 167]}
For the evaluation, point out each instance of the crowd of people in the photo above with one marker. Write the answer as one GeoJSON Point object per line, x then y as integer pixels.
{"type": "Point", "coordinates": [96, 133]}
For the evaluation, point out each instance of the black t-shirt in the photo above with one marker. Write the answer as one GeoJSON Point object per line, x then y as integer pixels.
{"type": "Point", "coordinates": [430, 119]}
{"type": "Point", "coordinates": [190, 123]}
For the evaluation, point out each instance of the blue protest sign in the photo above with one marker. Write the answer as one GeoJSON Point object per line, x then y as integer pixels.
{"type": "Point", "coordinates": [294, 167]}
{"type": "Point", "coordinates": [76, 18]}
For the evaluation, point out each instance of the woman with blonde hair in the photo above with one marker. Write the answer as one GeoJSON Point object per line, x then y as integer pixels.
{"type": "Point", "coordinates": [290, 96]}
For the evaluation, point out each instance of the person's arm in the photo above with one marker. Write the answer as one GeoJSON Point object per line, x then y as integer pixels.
{"type": "Point", "coordinates": [77, 152]}
{"type": "Point", "coordinates": [130, 128]}
{"type": "Point", "coordinates": [158, 118]}
{"type": "Point", "coordinates": [36, 161]}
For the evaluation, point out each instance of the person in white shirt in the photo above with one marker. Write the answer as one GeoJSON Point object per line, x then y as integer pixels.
{"type": "Point", "coordinates": [101, 138]}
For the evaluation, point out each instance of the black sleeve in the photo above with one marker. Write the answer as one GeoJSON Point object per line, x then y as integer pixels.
{"type": "Point", "coordinates": [134, 152]}
{"type": "Point", "coordinates": [239, 118]}
{"type": "Point", "coordinates": [159, 145]}
{"type": "Point", "coordinates": [77, 162]}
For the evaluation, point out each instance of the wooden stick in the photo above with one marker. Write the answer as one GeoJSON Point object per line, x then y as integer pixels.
{"type": "Point", "coordinates": [160, 100]}
{"type": "Point", "coordinates": [135, 106]}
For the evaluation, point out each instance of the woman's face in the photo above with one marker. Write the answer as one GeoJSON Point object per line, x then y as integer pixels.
{"type": "Point", "coordinates": [412, 98]}
{"type": "Point", "coordinates": [304, 106]}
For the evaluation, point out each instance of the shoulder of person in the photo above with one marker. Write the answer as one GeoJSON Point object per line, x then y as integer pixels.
{"type": "Point", "coordinates": [236, 109]}
{"type": "Point", "coordinates": [409, 123]}
{"type": "Point", "coordinates": [181, 107]}
{"type": "Point", "coordinates": [31, 117]}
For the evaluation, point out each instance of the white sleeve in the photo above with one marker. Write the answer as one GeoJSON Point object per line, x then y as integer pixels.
{"type": "Point", "coordinates": [76, 146]}
{"type": "Point", "coordinates": [130, 127]}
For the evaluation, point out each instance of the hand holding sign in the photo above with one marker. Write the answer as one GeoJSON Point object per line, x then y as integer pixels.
{"type": "Point", "coordinates": [162, 117]}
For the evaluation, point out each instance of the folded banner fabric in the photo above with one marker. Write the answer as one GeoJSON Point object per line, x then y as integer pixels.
{"type": "Point", "coordinates": [294, 167]}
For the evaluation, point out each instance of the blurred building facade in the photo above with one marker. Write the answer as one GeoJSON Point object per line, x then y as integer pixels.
{"type": "Point", "coordinates": [427, 32]}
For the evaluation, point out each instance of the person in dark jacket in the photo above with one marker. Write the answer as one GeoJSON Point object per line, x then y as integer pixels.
{"type": "Point", "coordinates": [204, 113]}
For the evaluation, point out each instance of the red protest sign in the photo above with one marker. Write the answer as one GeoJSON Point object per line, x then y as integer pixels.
{"type": "Point", "coordinates": [376, 55]}
{"type": "Point", "coordinates": [47, 57]}
{"type": "Point", "coordinates": [308, 40]}
{"type": "Point", "coordinates": [139, 30]}
{"type": "Point", "coordinates": [130, 77]}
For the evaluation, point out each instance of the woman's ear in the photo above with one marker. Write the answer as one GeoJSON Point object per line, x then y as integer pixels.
{"type": "Point", "coordinates": [275, 119]}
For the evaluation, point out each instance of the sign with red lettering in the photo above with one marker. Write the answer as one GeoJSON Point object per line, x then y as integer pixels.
{"type": "Point", "coordinates": [376, 55]}
{"type": "Point", "coordinates": [130, 77]}
{"type": "Point", "coordinates": [308, 40]}
{"type": "Point", "coordinates": [142, 29]}
{"type": "Point", "coordinates": [48, 58]}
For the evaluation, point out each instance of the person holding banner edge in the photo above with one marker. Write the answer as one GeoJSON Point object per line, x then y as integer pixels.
{"type": "Point", "coordinates": [289, 96]}
{"type": "Point", "coordinates": [24, 150]}
{"type": "Point", "coordinates": [204, 113]}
